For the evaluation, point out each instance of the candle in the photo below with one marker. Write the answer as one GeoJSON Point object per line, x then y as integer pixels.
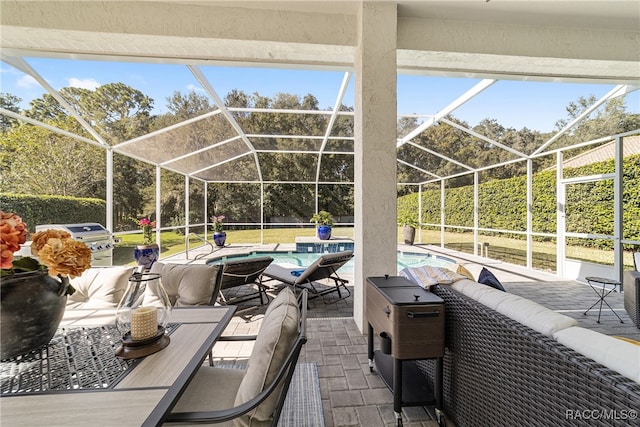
{"type": "Point", "coordinates": [144, 323]}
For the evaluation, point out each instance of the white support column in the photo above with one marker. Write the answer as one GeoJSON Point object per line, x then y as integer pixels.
{"type": "Point", "coordinates": [158, 207]}
{"type": "Point", "coordinates": [560, 217]}
{"type": "Point", "coordinates": [109, 190]}
{"type": "Point", "coordinates": [442, 219]}
{"type": "Point", "coordinates": [618, 191]}
{"type": "Point", "coordinates": [375, 192]}
{"type": "Point", "coordinates": [529, 213]}
{"type": "Point", "coordinates": [476, 217]}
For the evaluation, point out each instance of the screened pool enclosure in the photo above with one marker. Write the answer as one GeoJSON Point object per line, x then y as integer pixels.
{"type": "Point", "coordinates": [406, 93]}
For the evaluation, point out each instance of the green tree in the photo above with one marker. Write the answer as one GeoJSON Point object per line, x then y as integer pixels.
{"type": "Point", "coordinates": [37, 161]}
{"type": "Point", "coordinates": [609, 119]}
{"type": "Point", "coordinates": [11, 103]}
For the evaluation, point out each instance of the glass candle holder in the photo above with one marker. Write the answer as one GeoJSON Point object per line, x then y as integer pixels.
{"type": "Point", "coordinates": [142, 316]}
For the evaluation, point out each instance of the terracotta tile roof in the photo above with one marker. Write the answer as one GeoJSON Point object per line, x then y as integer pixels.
{"type": "Point", "coordinates": [630, 146]}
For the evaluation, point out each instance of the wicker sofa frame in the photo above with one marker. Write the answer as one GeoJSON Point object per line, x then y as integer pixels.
{"type": "Point", "coordinates": [631, 286]}
{"type": "Point", "coordinates": [499, 372]}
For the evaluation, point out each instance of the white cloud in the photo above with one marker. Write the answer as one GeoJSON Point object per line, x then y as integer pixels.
{"type": "Point", "coordinates": [27, 82]}
{"type": "Point", "coordinates": [91, 84]}
{"type": "Point", "coordinates": [195, 88]}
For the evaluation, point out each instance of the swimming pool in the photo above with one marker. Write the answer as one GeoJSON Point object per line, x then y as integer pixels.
{"type": "Point", "coordinates": [304, 259]}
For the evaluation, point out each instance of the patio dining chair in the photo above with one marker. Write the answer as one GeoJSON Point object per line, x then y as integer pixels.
{"type": "Point", "coordinates": [244, 273]}
{"type": "Point", "coordinates": [324, 268]}
{"type": "Point", "coordinates": [253, 396]}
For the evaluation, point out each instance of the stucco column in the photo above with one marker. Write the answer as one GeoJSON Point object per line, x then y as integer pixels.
{"type": "Point", "coordinates": [375, 148]}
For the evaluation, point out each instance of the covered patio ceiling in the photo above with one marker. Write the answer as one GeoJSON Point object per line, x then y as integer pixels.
{"type": "Point", "coordinates": [486, 43]}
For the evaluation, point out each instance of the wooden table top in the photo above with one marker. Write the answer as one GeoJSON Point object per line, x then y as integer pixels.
{"type": "Point", "coordinates": [145, 395]}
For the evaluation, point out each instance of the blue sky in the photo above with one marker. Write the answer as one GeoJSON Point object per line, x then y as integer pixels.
{"type": "Point", "coordinates": [515, 104]}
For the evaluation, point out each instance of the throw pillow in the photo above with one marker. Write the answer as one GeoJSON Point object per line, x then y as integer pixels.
{"type": "Point", "coordinates": [462, 270]}
{"type": "Point", "coordinates": [487, 278]}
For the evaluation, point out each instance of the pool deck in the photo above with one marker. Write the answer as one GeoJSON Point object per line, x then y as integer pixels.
{"type": "Point", "coordinates": [570, 297]}
{"type": "Point", "coordinates": [351, 394]}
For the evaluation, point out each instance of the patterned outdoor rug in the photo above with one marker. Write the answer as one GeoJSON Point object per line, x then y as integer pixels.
{"type": "Point", "coordinates": [303, 405]}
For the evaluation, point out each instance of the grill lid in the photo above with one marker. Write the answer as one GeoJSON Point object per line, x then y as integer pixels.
{"type": "Point", "coordinates": [76, 229]}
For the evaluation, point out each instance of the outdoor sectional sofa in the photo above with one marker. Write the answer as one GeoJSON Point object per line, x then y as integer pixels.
{"type": "Point", "coordinates": [631, 283]}
{"type": "Point", "coordinates": [512, 362]}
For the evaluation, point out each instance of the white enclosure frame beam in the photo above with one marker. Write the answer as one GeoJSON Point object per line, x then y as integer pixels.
{"type": "Point", "coordinates": [618, 210]}
{"type": "Point", "coordinates": [232, 121]}
{"type": "Point", "coordinates": [476, 211]}
{"type": "Point", "coordinates": [616, 91]}
{"type": "Point", "coordinates": [158, 207]}
{"type": "Point", "coordinates": [442, 217]}
{"type": "Point", "coordinates": [186, 209]}
{"type": "Point", "coordinates": [206, 210]}
{"type": "Point", "coordinates": [529, 214]}
{"type": "Point", "coordinates": [560, 216]}
{"type": "Point", "coordinates": [479, 87]}
{"type": "Point", "coordinates": [109, 190]}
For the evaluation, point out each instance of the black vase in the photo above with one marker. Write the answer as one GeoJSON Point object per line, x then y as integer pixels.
{"type": "Point", "coordinates": [33, 304]}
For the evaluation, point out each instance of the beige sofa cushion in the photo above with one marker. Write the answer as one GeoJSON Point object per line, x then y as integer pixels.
{"type": "Point", "coordinates": [185, 284]}
{"type": "Point", "coordinates": [618, 355]}
{"type": "Point", "coordinates": [277, 334]}
{"type": "Point", "coordinates": [522, 310]}
{"type": "Point", "coordinates": [534, 315]}
{"type": "Point", "coordinates": [99, 287]}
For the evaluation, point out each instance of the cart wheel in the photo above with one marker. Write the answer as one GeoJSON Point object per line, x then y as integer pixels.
{"type": "Point", "coordinates": [399, 422]}
{"type": "Point", "coordinates": [440, 418]}
{"type": "Point", "coordinates": [370, 368]}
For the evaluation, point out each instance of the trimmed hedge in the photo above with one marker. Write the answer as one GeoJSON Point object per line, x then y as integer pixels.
{"type": "Point", "coordinates": [502, 203]}
{"type": "Point", "coordinates": [38, 210]}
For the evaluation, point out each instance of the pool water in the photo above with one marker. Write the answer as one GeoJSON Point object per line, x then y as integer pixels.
{"type": "Point", "coordinates": [305, 259]}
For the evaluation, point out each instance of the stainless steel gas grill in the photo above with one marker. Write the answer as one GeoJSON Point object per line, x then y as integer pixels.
{"type": "Point", "coordinates": [94, 235]}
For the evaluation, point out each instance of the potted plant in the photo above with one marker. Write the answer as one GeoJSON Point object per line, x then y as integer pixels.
{"type": "Point", "coordinates": [34, 290]}
{"type": "Point", "coordinates": [409, 222]}
{"type": "Point", "coordinates": [219, 235]}
{"type": "Point", "coordinates": [148, 252]}
{"type": "Point", "coordinates": [323, 221]}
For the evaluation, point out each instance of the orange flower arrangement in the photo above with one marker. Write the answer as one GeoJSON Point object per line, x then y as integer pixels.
{"type": "Point", "coordinates": [63, 255]}
{"type": "Point", "coordinates": [13, 233]}
{"type": "Point", "coordinates": [56, 250]}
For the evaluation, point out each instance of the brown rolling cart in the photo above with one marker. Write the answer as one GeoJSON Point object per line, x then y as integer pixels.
{"type": "Point", "coordinates": [410, 323]}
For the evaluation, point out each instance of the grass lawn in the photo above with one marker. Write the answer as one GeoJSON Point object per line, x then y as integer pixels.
{"type": "Point", "coordinates": [506, 249]}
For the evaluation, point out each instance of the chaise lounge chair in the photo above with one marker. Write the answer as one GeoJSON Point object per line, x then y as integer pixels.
{"type": "Point", "coordinates": [244, 272]}
{"type": "Point", "coordinates": [325, 267]}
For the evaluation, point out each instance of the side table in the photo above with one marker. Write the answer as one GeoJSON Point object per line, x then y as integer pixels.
{"type": "Point", "coordinates": [602, 293]}
{"type": "Point", "coordinates": [411, 323]}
